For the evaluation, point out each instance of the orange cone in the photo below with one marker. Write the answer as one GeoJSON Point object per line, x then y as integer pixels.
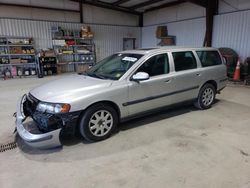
{"type": "Point", "coordinates": [237, 72]}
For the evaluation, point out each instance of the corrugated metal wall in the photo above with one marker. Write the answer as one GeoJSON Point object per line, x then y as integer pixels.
{"type": "Point", "coordinates": [230, 30]}
{"type": "Point", "coordinates": [108, 39]}
{"type": "Point", "coordinates": [188, 33]}
{"type": "Point", "coordinates": [233, 30]}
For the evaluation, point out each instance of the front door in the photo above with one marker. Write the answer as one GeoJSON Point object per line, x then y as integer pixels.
{"type": "Point", "coordinates": [154, 92]}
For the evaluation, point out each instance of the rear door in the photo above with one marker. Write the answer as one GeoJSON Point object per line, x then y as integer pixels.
{"type": "Point", "coordinates": [187, 75]}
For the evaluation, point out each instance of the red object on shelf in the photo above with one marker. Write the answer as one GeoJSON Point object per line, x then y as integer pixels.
{"type": "Point", "coordinates": [70, 42]}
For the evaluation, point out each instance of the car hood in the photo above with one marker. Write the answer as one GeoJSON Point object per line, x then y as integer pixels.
{"type": "Point", "coordinates": [66, 89]}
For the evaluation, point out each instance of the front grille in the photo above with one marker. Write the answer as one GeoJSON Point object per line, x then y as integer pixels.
{"type": "Point", "coordinates": [47, 122]}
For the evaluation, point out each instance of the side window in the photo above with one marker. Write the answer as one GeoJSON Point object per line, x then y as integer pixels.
{"type": "Point", "coordinates": [184, 61]}
{"type": "Point", "coordinates": [209, 58]}
{"type": "Point", "coordinates": [156, 65]}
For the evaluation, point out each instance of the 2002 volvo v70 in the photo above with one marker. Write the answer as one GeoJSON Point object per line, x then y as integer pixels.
{"type": "Point", "coordinates": [119, 87]}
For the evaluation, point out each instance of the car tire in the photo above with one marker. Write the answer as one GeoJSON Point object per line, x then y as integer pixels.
{"type": "Point", "coordinates": [98, 122]}
{"type": "Point", "coordinates": [206, 97]}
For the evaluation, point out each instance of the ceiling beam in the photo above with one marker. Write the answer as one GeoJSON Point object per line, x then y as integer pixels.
{"type": "Point", "coordinates": [119, 2]}
{"type": "Point", "coordinates": [108, 6]}
{"type": "Point", "coordinates": [202, 3]}
{"type": "Point", "coordinates": [170, 4]}
{"type": "Point", "coordinates": [144, 4]}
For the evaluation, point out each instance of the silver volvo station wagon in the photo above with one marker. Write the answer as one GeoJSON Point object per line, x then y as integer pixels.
{"type": "Point", "coordinates": [124, 85]}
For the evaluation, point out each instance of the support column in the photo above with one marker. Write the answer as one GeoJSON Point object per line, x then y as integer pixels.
{"type": "Point", "coordinates": [141, 20]}
{"type": "Point", "coordinates": [211, 10]}
{"type": "Point", "coordinates": [81, 11]}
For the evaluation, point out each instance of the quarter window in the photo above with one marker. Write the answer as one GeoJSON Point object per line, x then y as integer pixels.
{"type": "Point", "coordinates": [156, 65]}
{"type": "Point", "coordinates": [209, 58]}
{"type": "Point", "coordinates": [184, 61]}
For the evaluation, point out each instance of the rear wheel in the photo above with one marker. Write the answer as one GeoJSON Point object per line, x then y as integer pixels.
{"type": "Point", "coordinates": [98, 122]}
{"type": "Point", "coordinates": [206, 97]}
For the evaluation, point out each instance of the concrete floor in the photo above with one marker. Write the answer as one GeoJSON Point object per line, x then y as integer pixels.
{"type": "Point", "coordinates": [178, 148]}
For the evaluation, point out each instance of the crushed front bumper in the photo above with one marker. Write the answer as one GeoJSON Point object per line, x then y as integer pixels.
{"type": "Point", "coordinates": [30, 133]}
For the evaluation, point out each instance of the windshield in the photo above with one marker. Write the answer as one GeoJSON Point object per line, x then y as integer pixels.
{"type": "Point", "coordinates": [113, 67]}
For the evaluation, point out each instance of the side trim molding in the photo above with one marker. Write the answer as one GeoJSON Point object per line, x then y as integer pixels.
{"type": "Point", "coordinates": [224, 80]}
{"type": "Point", "coordinates": [159, 96]}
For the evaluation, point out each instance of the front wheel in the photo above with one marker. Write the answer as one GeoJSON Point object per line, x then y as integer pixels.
{"type": "Point", "coordinates": [206, 97]}
{"type": "Point", "coordinates": [98, 122]}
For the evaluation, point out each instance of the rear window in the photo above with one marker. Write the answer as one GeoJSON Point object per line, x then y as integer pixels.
{"type": "Point", "coordinates": [184, 61]}
{"type": "Point", "coordinates": [209, 58]}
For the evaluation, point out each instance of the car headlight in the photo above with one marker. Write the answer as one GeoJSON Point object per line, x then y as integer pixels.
{"type": "Point", "coordinates": [53, 108]}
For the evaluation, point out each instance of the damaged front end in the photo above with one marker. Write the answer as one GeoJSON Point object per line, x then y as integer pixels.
{"type": "Point", "coordinates": [43, 130]}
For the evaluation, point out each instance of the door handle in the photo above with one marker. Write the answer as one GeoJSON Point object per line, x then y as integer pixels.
{"type": "Point", "coordinates": [167, 81]}
{"type": "Point", "coordinates": [198, 74]}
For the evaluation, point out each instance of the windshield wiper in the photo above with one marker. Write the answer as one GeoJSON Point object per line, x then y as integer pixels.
{"type": "Point", "coordinates": [95, 75]}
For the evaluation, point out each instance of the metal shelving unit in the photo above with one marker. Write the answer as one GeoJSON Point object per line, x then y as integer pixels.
{"type": "Point", "coordinates": [74, 52]}
{"type": "Point", "coordinates": [17, 57]}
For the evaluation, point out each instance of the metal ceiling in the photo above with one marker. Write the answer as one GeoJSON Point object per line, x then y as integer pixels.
{"type": "Point", "coordinates": [135, 6]}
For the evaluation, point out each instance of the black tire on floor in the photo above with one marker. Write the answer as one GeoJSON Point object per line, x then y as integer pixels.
{"type": "Point", "coordinates": [203, 102]}
{"type": "Point", "coordinates": [92, 118]}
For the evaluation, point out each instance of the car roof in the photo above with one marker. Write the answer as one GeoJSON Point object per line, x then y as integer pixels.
{"type": "Point", "coordinates": [144, 51]}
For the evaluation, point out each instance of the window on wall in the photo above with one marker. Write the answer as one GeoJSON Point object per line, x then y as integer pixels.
{"type": "Point", "coordinates": [156, 65]}
{"type": "Point", "coordinates": [184, 61]}
{"type": "Point", "coordinates": [209, 58]}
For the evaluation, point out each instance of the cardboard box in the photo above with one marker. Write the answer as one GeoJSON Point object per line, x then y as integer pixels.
{"type": "Point", "coordinates": [59, 69]}
{"type": "Point", "coordinates": [90, 35]}
{"type": "Point", "coordinates": [168, 41]}
{"type": "Point", "coordinates": [16, 50]}
{"type": "Point", "coordinates": [49, 53]}
{"type": "Point", "coordinates": [81, 68]}
{"type": "Point", "coordinates": [161, 31]}
{"type": "Point", "coordinates": [15, 61]}
{"type": "Point", "coordinates": [24, 60]}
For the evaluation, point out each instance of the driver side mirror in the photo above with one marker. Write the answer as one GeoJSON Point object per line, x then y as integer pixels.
{"type": "Point", "coordinates": [140, 76]}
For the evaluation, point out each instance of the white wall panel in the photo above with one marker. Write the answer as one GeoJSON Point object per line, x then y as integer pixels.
{"type": "Point", "coordinates": [188, 33]}
{"type": "Point", "coordinates": [23, 2]}
{"type": "Point", "coordinates": [244, 4]}
{"type": "Point", "coordinates": [157, 17]}
{"type": "Point", "coordinates": [232, 30]}
{"type": "Point", "coordinates": [92, 14]}
{"type": "Point", "coordinates": [71, 5]}
{"type": "Point", "coordinates": [189, 10]}
{"type": "Point", "coordinates": [148, 37]}
{"type": "Point", "coordinates": [7, 11]}
{"type": "Point", "coordinates": [233, 5]}
{"type": "Point", "coordinates": [46, 3]}
{"type": "Point", "coordinates": [108, 39]}
{"type": "Point", "coordinates": [176, 13]}
{"type": "Point", "coordinates": [71, 17]}
{"type": "Point", "coordinates": [50, 15]}
{"type": "Point", "coordinates": [38, 14]}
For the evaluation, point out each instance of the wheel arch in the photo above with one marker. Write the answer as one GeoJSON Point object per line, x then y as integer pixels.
{"type": "Point", "coordinates": [213, 82]}
{"type": "Point", "coordinates": [109, 103]}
